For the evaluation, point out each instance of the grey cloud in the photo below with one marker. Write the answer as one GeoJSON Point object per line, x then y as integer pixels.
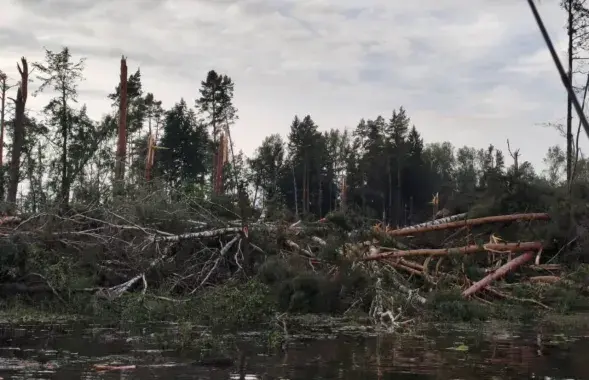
{"type": "Point", "coordinates": [17, 38]}
{"type": "Point", "coordinates": [449, 60]}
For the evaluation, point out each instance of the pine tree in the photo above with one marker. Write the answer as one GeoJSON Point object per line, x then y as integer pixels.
{"type": "Point", "coordinates": [63, 75]}
{"type": "Point", "coordinates": [186, 157]}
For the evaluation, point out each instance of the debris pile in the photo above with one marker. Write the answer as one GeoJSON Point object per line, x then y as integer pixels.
{"type": "Point", "coordinates": [180, 253]}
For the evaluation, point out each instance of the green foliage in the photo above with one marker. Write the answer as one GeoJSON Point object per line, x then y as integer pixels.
{"type": "Point", "coordinates": [449, 305]}
{"type": "Point", "coordinates": [236, 305]}
{"type": "Point", "coordinates": [186, 157]}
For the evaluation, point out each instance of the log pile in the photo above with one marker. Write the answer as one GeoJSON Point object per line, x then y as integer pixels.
{"type": "Point", "coordinates": [499, 257]}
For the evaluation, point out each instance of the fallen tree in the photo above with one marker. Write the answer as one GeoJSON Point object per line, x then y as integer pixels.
{"type": "Point", "coordinates": [178, 252]}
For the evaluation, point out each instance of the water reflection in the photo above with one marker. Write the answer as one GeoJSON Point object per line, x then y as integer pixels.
{"type": "Point", "coordinates": [71, 352]}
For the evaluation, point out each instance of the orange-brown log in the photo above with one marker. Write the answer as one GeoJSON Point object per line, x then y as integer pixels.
{"type": "Point", "coordinates": [469, 223]}
{"type": "Point", "coordinates": [469, 249]}
{"type": "Point", "coordinates": [407, 268]}
{"type": "Point", "coordinates": [408, 263]}
{"type": "Point", "coordinates": [545, 279]}
{"type": "Point", "coordinates": [502, 271]}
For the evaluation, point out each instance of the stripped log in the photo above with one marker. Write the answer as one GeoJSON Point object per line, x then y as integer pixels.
{"type": "Point", "coordinates": [469, 223]}
{"type": "Point", "coordinates": [502, 271]}
{"type": "Point", "coordinates": [469, 249]}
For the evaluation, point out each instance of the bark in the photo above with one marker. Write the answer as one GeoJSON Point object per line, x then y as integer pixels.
{"type": "Point", "coordinates": [500, 272]}
{"type": "Point", "coordinates": [122, 138]}
{"type": "Point", "coordinates": [202, 234]}
{"type": "Point", "coordinates": [294, 183]}
{"type": "Point", "coordinates": [433, 226]}
{"type": "Point", "coordinates": [19, 133]}
{"type": "Point", "coordinates": [150, 157]}
{"type": "Point", "coordinates": [469, 249]}
{"type": "Point", "coordinates": [445, 220]}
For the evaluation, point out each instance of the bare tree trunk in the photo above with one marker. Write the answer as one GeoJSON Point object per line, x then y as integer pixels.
{"type": "Point", "coordinates": [65, 183]}
{"type": "Point", "coordinates": [390, 195]}
{"type": "Point", "coordinates": [19, 133]}
{"type": "Point", "coordinates": [3, 89]}
{"type": "Point", "coordinates": [569, 99]}
{"type": "Point", "coordinates": [319, 194]}
{"type": "Point", "coordinates": [122, 138]}
{"type": "Point", "coordinates": [294, 183]}
{"type": "Point", "coordinates": [305, 194]}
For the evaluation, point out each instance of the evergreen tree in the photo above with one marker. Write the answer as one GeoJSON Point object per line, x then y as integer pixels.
{"type": "Point", "coordinates": [63, 75]}
{"type": "Point", "coordinates": [186, 157]}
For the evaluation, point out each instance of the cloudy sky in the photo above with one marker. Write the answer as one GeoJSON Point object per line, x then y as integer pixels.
{"type": "Point", "coordinates": [473, 72]}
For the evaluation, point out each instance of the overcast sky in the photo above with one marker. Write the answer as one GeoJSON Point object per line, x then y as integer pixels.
{"type": "Point", "coordinates": [472, 72]}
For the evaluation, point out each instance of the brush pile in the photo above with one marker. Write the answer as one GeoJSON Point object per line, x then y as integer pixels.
{"type": "Point", "coordinates": [182, 249]}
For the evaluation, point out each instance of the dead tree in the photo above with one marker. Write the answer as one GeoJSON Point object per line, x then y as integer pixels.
{"type": "Point", "coordinates": [3, 90]}
{"type": "Point", "coordinates": [515, 156]}
{"type": "Point", "coordinates": [19, 132]}
{"type": "Point", "coordinates": [122, 139]}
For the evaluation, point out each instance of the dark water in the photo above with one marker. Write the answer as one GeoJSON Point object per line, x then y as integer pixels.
{"type": "Point", "coordinates": [487, 352]}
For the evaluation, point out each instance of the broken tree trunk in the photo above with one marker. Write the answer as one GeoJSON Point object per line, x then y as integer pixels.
{"type": "Point", "coordinates": [502, 271]}
{"type": "Point", "coordinates": [122, 138]}
{"type": "Point", "coordinates": [469, 249]}
{"type": "Point", "coordinates": [19, 133]}
{"type": "Point", "coordinates": [3, 90]}
{"type": "Point", "coordinates": [468, 222]}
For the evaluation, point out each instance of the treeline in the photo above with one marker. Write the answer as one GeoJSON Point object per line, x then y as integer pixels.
{"type": "Point", "coordinates": [380, 169]}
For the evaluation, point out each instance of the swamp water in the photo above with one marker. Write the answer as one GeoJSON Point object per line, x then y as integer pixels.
{"type": "Point", "coordinates": [487, 352]}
